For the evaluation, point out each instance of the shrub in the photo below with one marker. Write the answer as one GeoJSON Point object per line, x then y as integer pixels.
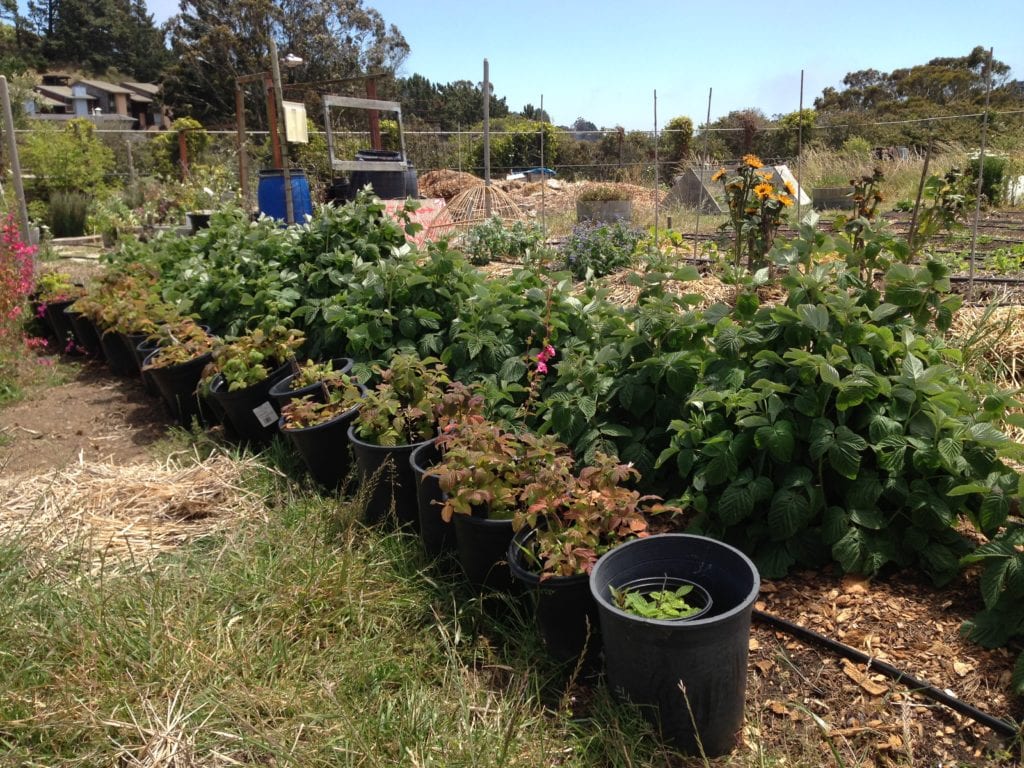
{"type": "Point", "coordinates": [595, 250]}
{"type": "Point", "coordinates": [68, 213]}
{"type": "Point", "coordinates": [602, 193]}
{"type": "Point", "coordinates": [494, 239]}
{"type": "Point", "coordinates": [70, 159]}
{"type": "Point", "coordinates": [992, 179]}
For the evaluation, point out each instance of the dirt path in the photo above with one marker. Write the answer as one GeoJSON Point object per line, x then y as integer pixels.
{"type": "Point", "coordinates": [95, 415]}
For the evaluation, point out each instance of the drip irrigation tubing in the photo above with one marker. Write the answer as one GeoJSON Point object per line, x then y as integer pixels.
{"type": "Point", "coordinates": [1002, 727]}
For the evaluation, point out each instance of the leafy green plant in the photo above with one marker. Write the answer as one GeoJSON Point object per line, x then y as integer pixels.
{"type": "Point", "coordinates": [602, 193]}
{"type": "Point", "coordinates": [249, 359]}
{"type": "Point", "coordinates": [71, 158]}
{"type": "Point", "coordinates": [53, 285]}
{"type": "Point", "coordinates": [405, 406]}
{"type": "Point", "coordinates": [667, 604]}
{"type": "Point", "coordinates": [68, 213]}
{"type": "Point", "coordinates": [579, 518]}
{"type": "Point", "coordinates": [179, 342]}
{"type": "Point", "coordinates": [310, 373]}
{"type": "Point", "coordinates": [837, 423]}
{"type": "Point", "coordinates": [488, 469]}
{"type": "Point", "coordinates": [494, 239]}
{"type": "Point", "coordinates": [596, 250]}
{"type": "Point", "coordinates": [992, 181]}
{"type": "Point", "coordinates": [342, 395]}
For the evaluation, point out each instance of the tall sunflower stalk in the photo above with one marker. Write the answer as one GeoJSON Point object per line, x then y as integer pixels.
{"type": "Point", "coordinates": [756, 209]}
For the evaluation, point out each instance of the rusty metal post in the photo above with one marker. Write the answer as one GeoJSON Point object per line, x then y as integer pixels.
{"type": "Point", "coordinates": [243, 155]}
{"type": "Point", "coordinates": [183, 154]}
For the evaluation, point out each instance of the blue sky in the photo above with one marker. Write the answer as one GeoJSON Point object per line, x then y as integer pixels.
{"type": "Point", "coordinates": [603, 59]}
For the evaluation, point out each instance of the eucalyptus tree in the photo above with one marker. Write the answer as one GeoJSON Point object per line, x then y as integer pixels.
{"type": "Point", "coordinates": [215, 41]}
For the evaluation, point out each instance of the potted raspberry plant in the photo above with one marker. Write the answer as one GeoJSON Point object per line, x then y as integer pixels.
{"type": "Point", "coordinates": [244, 369]}
{"type": "Point", "coordinates": [564, 531]}
{"type": "Point", "coordinates": [317, 426]}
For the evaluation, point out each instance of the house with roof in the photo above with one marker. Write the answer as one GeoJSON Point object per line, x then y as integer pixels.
{"type": "Point", "coordinates": [61, 97]}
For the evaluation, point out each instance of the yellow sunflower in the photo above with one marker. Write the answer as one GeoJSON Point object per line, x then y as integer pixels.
{"type": "Point", "coordinates": [763, 191]}
{"type": "Point", "coordinates": [766, 175]}
{"type": "Point", "coordinates": [790, 188]}
{"type": "Point", "coordinates": [786, 200]}
{"type": "Point", "coordinates": [753, 161]}
{"type": "Point", "coordinates": [719, 175]}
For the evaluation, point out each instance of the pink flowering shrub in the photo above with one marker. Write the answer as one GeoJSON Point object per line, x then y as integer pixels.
{"type": "Point", "coordinates": [16, 281]}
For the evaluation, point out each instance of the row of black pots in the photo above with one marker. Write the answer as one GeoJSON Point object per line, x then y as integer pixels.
{"type": "Point", "coordinates": [688, 676]}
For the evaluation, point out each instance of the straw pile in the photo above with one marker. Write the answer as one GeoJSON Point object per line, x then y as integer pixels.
{"type": "Point", "coordinates": [446, 184]}
{"type": "Point", "coordinates": [122, 517]}
{"type": "Point", "coordinates": [998, 333]}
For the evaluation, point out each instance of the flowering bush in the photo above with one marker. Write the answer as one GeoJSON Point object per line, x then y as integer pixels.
{"type": "Point", "coordinates": [756, 209]}
{"type": "Point", "coordinates": [15, 281]}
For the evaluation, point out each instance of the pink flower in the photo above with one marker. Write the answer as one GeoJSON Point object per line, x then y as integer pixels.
{"type": "Point", "coordinates": [549, 351]}
{"type": "Point", "coordinates": [542, 367]}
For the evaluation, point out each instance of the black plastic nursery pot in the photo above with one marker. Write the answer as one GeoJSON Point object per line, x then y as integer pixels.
{"type": "Point", "coordinates": [324, 448]}
{"type": "Point", "coordinates": [663, 665]}
{"type": "Point", "coordinates": [143, 348]}
{"type": "Point", "coordinates": [437, 535]}
{"type": "Point", "coordinates": [60, 324]}
{"type": "Point", "coordinates": [387, 487]}
{"type": "Point", "coordinates": [566, 612]}
{"type": "Point", "coordinates": [86, 334]}
{"type": "Point", "coordinates": [282, 392]}
{"type": "Point", "coordinates": [177, 385]}
{"type": "Point", "coordinates": [120, 357]}
{"type": "Point", "coordinates": [251, 412]}
{"type": "Point", "coordinates": [482, 545]}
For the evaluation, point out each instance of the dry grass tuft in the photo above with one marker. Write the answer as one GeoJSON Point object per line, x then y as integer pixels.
{"type": "Point", "coordinates": [165, 740]}
{"type": "Point", "coordinates": [123, 517]}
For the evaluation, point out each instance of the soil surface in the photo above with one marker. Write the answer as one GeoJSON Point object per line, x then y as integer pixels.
{"type": "Point", "coordinates": [95, 416]}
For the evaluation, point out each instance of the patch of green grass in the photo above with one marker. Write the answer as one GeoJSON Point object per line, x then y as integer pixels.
{"type": "Point", "coordinates": [307, 640]}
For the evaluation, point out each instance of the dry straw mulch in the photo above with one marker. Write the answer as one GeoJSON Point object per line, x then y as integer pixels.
{"type": "Point", "coordinates": [115, 517]}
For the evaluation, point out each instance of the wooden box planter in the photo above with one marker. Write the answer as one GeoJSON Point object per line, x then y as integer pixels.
{"type": "Point", "coordinates": [604, 210]}
{"type": "Point", "coordinates": [832, 198]}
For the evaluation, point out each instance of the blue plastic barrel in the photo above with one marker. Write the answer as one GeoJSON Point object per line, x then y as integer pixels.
{"type": "Point", "coordinates": [270, 194]}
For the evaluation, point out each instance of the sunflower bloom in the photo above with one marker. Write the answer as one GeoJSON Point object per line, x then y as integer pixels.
{"type": "Point", "coordinates": [763, 191]}
{"type": "Point", "coordinates": [753, 161]}
{"type": "Point", "coordinates": [790, 188]}
{"type": "Point", "coordinates": [786, 200]}
{"type": "Point", "coordinates": [719, 175]}
{"type": "Point", "coordinates": [766, 175]}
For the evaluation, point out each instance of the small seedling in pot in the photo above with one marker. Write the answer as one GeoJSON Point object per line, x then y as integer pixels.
{"type": "Point", "coordinates": [667, 604]}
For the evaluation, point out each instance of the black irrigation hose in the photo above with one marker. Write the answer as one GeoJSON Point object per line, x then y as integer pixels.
{"type": "Point", "coordinates": [1001, 727]}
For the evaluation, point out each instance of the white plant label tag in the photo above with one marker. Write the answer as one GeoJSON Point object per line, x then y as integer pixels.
{"type": "Point", "coordinates": [265, 413]}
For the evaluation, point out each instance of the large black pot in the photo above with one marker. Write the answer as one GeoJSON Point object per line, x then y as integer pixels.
{"type": "Point", "coordinates": [177, 385]}
{"type": "Point", "coordinates": [437, 535]}
{"type": "Point", "coordinates": [60, 324]}
{"type": "Point", "coordinates": [387, 487]}
{"type": "Point", "coordinates": [282, 392]}
{"type": "Point", "coordinates": [482, 545]}
{"type": "Point", "coordinates": [648, 660]}
{"type": "Point", "coordinates": [324, 448]}
{"type": "Point", "coordinates": [143, 348]}
{"type": "Point", "coordinates": [566, 612]}
{"type": "Point", "coordinates": [250, 411]}
{"type": "Point", "coordinates": [120, 357]}
{"type": "Point", "coordinates": [86, 334]}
